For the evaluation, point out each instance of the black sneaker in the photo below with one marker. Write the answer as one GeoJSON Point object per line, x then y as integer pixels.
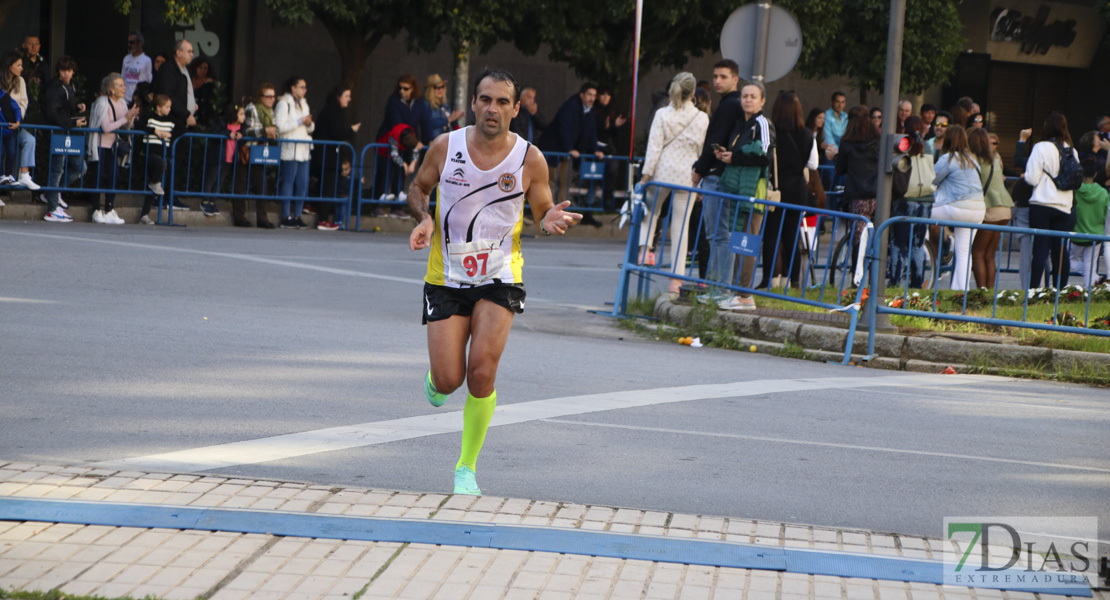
{"type": "Point", "coordinates": [288, 223]}
{"type": "Point", "coordinates": [300, 224]}
{"type": "Point", "coordinates": [179, 205]}
{"type": "Point", "coordinates": [266, 225]}
{"type": "Point", "coordinates": [209, 209]}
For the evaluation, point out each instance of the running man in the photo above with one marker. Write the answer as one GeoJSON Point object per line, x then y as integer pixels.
{"type": "Point", "coordinates": [473, 286]}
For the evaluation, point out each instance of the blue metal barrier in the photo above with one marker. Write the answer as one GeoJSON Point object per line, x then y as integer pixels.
{"type": "Point", "coordinates": [816, 280]}
{"type": "Point", "coordinates": [591, 184]}
{"type": "Point", "coordinates": [929, 305]}
{"type": "Point", "coordinates": [66, 149]}
{"type": "Point", "coordinates": [206, 153]}
{"type": "Point", "coordinates": [381, 182]}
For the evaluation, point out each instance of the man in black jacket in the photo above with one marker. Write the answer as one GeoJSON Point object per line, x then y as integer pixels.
{"type": "Point", "coordinates": [172, 80]}
{"type": "Point", "coordinates": [573, 131]}
{"type": "Point", "coordinates": [60, 108]}
{"type": "Point", "coordinates": [527, 123]}
{"type": "Point", "coordinates": [707, 169]}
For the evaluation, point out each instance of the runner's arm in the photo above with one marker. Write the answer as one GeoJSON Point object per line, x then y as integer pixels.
{"type": "Point", "coordinates": [549, 218]}
{"type": "Point", "coordinates": [421, 189]}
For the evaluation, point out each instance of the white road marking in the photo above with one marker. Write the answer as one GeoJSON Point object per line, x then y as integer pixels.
{"type": "Point", "coordinates": [382, 432]}
{"type": "Point", "coordinates": [274, 261]}
{"type": "Point", "coordinates": [28, 301]}
{"type": "Point", "coordinates": [232, 255]}
{"type": "Point", "coordinates": [758, 438]}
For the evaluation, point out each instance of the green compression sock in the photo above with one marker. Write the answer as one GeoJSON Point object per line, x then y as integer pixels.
{"type": "Point", "coordinates": [476, 416]}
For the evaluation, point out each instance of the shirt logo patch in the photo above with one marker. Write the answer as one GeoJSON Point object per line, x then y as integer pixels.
{"type": "Point", "coordinates": [506, 182]}
{"type": "Point", "coordinates": [458, 159]}
{"type": "Point", "coordinates": [458, 177]}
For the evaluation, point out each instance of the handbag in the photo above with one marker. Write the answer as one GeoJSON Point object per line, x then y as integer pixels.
{"type": "Point", "coordinates": [774, 194]}
{"type": "Point", "coordinates": [816, 189]}
{"type": "Point", "coordinates": [123, 143]}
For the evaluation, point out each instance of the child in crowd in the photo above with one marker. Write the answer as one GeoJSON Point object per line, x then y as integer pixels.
{"type": "Point", "coordinates": [220, 158]}
{"type": "Point", "coordinates": [155, 120]}
{"type": "Point", "coordinates": [1091, 203]}
{"type": "Point", "coordinates": [326, 220]}
{"type": "Point", "coordinates": [401, 141]}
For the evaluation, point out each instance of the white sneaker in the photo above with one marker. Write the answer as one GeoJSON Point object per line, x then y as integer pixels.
{"type": "Point", "coordinates": [61, 201]}
{"type": "Point", "coordinates": [25, 181]}
{"type": "Point", "coordinates": [737, 303]}
{"type": "Point", "coordinates": [156, 187]}
{"type": "Point", "coordinates": [146, 220]}
{"type": "Point", "coordinates": [58, 215]}
{"type": "Point", "coordinates": [403, 197]}
{"type": "Point", "coordinates": [6, 180]}
{"type": "Point", "coordinates": [111, 218]}
{"type": "Point", "coordinates": [98, 217]}
{"type": "Point", "coordinates": [387, 198]}
{"type": "Point", "coordinates": [1, 203]}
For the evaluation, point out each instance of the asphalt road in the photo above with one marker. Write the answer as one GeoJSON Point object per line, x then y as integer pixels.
{"type": "Point", "coordinates": [126, 342]}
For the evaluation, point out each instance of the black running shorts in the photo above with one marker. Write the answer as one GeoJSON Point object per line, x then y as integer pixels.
{"type": "Point", "coordinates": [440, 302]}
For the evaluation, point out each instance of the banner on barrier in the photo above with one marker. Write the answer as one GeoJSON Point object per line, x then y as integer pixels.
{"type": "Point", "coordinates": [745, 244]}
{"type": "Point", "coordinates": [265, 155]}
{"type": "Point", "coordinates": [63, 143]}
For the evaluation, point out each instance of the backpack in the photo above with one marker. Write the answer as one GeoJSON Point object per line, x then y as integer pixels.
{"type": "Point", "coordinates": [1070, 175]}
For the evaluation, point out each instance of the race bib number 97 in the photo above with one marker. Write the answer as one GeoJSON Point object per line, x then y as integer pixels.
{"type": "Point", "coordinates": [475, 262]}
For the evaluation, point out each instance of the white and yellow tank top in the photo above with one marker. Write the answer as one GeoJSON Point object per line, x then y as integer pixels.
{"type": "Point", "coordinates": [478, 220]}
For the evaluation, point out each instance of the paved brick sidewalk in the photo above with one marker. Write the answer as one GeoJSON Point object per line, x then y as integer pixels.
{"type": "Point", "coordinates": [170, 563]}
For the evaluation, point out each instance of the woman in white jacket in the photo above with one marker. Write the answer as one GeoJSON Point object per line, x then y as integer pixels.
{"type": "Point", "coordinates": [1049, 208]}
{"type": "Point", "coordinates": [294, 122]}
{"type": "Point", "coordinates": [676, 138]}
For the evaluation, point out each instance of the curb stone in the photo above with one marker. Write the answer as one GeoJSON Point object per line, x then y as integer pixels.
{"type": "Point", "coordinates": [894, 352]}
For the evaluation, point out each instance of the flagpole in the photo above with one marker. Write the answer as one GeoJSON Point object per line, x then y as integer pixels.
{"type": "Point", "coordinates": [635, 88]}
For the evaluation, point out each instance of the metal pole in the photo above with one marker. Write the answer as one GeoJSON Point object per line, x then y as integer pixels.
{"type": "Point", "coordinates": [762, 38]}
{"type": "Point", "coordinates": [890, 112]}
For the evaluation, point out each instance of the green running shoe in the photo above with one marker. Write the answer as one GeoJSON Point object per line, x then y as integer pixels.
{"type": "Point", "coordinates": [437, 399]}
{"type": "Point", "coordinates": [465, 483]}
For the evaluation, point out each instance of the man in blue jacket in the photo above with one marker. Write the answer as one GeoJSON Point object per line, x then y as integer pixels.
{"type": "Point", "coordinates": [572, 131]}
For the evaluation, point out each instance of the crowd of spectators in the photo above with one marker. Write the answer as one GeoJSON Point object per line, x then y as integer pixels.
{"type": "Point", "coordinates": [953, 171]}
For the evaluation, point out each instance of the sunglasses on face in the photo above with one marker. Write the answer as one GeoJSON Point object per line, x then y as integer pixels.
{"type": "Point", "coordinates": [940, 125]}
{"type": "Point", "coordinates": [977, 120]}
{"type": "Point", "coordinates": [441, 86]}
{"type": "Point", "coordinates": [269, 96]}
{"type": "Point", "coordinates": [404, 89]}
{"type": "Point", "coordinates": [132, 42]}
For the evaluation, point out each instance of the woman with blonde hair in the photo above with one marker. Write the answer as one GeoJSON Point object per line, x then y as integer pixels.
{"type": "Point", "coordinates": [675, 141]}
{"type": "Point", "coordinates": [959, 197]}
{"type": "Point", "coordinates": [438, 115]}
{"type": "Point", "coordinates": [997, 201]}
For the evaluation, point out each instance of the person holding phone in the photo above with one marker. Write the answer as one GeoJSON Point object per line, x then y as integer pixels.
{"type": "Point", "coordinates": [61, 109]}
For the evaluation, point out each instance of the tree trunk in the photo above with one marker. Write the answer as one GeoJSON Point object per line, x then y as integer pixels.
{"type": "Point", "coordinates": [354, 45]}
{"type": "Point", "coordinates": [462, 80]}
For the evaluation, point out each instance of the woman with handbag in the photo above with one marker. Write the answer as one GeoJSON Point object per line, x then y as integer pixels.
{"type": "Point", "coordinates": [677, 135]}
{"type": "Point", "coordinates": [959, 197]}
{"type": "Point", "coordinates": [998, 203]}
{"type": "Point", "coordinates": [108, 114]}
{"type": "Point", "coordinates": [745, 174]}
{"type": "Point", "coordinates": [858, 162]}
{"type": "Point", "coordinates": [795, 153]}
{"type": "Point", "coordinates": [913, 198]}
{"type": "Point", "coordinates": [1050, 207]}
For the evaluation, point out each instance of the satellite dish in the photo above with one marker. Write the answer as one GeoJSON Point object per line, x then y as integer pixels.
{"type": "Point", "coordinates": [784, 44]}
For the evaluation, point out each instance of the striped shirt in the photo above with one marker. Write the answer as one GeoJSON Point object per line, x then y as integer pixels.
{"type": "Point", "coordinates": [155, 125]}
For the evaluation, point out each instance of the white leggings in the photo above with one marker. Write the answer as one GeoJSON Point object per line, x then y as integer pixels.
{"type": "Point", "coordinates": [967, 211]}
{"type": "Point", "coordinates": [681, 207]}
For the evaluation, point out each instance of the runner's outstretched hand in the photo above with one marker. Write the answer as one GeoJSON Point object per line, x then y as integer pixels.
{"type": "Point", "coordinates": [422, 234]}
{"type": "Point", "coordinates": [556, 220]}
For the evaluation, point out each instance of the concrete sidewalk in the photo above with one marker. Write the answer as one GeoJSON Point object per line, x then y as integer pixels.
{"type": "Point", "coordinates": [186, 563]}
